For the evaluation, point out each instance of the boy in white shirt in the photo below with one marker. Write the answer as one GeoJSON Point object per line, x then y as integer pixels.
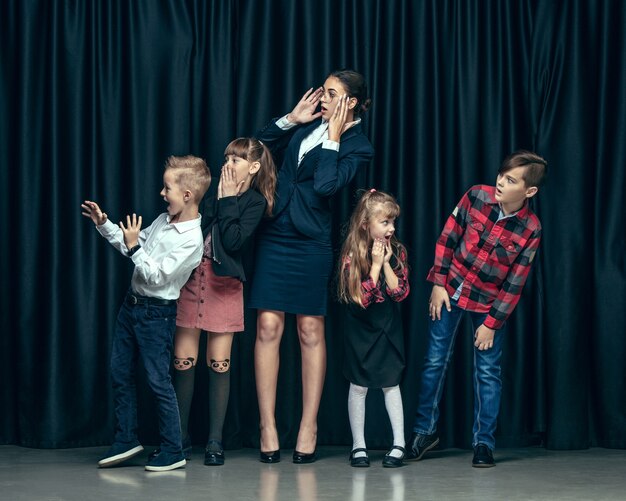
{"type": "Point", "coordinates": [165, 253]}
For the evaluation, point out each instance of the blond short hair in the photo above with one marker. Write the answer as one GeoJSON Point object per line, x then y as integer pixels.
{"type": "Point", "coordinates": [191, 173]}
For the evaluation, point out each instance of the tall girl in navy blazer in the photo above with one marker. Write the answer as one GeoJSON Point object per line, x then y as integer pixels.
{"type": "Point", "coordinates": [321, 152]}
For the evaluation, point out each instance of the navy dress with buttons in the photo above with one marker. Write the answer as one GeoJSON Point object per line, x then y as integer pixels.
{"type": "Point", "coordinates": [294, 258]}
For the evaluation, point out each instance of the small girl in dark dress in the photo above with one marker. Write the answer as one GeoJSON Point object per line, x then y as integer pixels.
{"type": "Point", "coordinates": [373, 279]}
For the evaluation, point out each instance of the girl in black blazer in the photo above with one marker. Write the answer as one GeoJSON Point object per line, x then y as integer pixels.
{"type": "Point", "coordinates": [322, 151]}
{"type": "Point", "coordinates": [212, 299]}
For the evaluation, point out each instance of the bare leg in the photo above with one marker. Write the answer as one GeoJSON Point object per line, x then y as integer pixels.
{"type": "Point", "coordinates": [270, 327]}
{"type": "Point", "coordinates": [313, 349]}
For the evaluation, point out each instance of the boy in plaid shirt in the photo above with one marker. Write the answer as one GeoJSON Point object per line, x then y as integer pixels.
{"type": "Point", "coordinates": [482, 260]}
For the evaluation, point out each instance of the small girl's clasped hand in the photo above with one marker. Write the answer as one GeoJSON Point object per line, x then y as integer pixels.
{"type": "Point", "coordinates": [381, 252]}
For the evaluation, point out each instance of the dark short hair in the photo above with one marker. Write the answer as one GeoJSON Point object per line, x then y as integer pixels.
{"type": "Point", "coordinates": [356, 87]}
{"type": "Point", "coordinates": [536, 166]}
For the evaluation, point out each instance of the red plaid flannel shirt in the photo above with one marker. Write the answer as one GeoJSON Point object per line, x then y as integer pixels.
{"type": "Point", "coordinates": [490, 258]}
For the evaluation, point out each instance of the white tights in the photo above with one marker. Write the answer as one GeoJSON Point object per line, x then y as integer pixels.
{"type": "Point", "coordinates": [356, 413]}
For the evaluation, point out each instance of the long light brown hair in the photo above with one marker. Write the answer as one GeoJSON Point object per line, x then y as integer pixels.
{"type": "Point", "coordinates": [253, 150]}
{"type": "Point", "coordinates": [357, 246]}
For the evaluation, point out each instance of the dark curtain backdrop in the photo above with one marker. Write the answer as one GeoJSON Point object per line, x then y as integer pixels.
{"type": "Point", "coordinates": [95, 96]}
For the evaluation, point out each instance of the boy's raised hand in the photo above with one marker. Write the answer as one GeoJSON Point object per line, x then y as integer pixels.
{"type": "Point", "coordinates": [131, 230]}
{"type": "Point", "coordinates": [93, 212]}
{"type": "Point", "coordinates": [438, 297]}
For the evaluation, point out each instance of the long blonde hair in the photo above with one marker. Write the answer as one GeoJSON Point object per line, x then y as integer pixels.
{"type": "Point", "coordinates": [253, 150]}
{"type": "Point", "coordinates": [356, 259]}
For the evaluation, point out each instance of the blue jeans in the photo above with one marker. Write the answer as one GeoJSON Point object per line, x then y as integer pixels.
{"type": "Point", "coordinates": [487, 382]}
{"type": "Point", "coordinates": [146, 331]}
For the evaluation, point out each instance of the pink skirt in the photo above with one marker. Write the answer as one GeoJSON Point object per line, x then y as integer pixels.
{"type": "Point", "coordinates": [210, 302]}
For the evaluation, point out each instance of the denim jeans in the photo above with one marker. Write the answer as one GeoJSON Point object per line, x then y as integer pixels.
{"type": "Point", "coordinates": [146, 331]}
{"type": "Point", "coordinates": [487, 382]}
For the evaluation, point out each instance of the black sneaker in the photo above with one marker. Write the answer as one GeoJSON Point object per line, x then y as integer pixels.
{"type": "Point", "coordinates": [483, 457]}
{"type": "Point", "coordinates": [118, 453]}
{"type": "Point", "coordinates": [420, 445]}
{"type": "Point", "coordinates": [165, 461]}
{"type": "Point", "coordinates": [187, 450]}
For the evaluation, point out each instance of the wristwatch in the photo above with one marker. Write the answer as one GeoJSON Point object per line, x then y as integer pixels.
{"type": "Point", "coordinates": [134, 249]}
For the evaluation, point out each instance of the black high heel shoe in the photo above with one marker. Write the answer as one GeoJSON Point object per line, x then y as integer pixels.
{"type": "Point", "coordinates": [303, 458]}
{"type": "Point", "coordinates": [269, 457]}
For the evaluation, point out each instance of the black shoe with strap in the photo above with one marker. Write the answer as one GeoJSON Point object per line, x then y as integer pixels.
{"type": "Point", "coordinates": [214, 453]}
{"type": "Point", "coordinates": [360, 461]}
{"type": "Point", "coordinates": [390, 461]}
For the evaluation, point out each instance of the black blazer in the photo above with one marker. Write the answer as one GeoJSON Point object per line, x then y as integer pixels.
{"type": "Point", "coordinates": [232, 222]}
{"type": "Point", "coordinates": [306, 190]}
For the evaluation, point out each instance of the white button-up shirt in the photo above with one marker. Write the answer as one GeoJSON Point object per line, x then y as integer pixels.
{"type": "Point", "coordinates": [168, 255]}
{"type": "Point", "coordinates": [317, 136]}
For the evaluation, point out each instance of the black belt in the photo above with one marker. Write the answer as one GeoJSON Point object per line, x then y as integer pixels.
{"type": "Point", "coordinates": [134, 299]}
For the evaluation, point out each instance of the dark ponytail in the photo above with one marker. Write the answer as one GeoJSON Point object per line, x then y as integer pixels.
{"type": "Point", "coordinates": [356, 87]}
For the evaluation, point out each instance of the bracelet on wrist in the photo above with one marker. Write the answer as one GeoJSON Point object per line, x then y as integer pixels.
{"type": "Point", "coordinates": [133, 249]}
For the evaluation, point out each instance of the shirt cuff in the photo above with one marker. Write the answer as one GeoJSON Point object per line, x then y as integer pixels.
{"type": "Point", "coordinates": [327, 144]}
{"type": "Point", "coordinates": [284, 124]}
{"type": "Point", "coordinates": [493, 323]}
{"type": "Point", "coordinates": [108, 228]}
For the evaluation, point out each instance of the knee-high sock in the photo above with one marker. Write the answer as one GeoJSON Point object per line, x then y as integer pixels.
{"type": "Point", "coordinates": [183, 385]}
{"type": "Point", "coordinates": [219, 391]}
{"type": "Point", "coordinates": [393, 403]}
{"type": "Point", "coordinates": [356, 413]}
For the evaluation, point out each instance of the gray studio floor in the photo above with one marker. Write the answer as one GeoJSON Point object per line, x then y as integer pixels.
{"type": "Point", "coordinates": [520, 474]}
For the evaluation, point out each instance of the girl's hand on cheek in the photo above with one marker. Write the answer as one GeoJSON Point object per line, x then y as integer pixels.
{"type": "Point", "coordinates": [388, 251]}
{"type": "Point", "coordinates": [228, 182]}
{"type": "Point", "coordinates": [378, 252]}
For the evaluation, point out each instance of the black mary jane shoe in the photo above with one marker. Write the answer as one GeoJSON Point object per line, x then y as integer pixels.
{"type": "Point", "coordinates": [214, 457]}
{"type": "Point", "coordinates": [269, 457]}
{"type": "Point", "coordinates": [303, 458]}
{"type": "Point", "coordinates": [392, 461]}
{"type": "Point", "coordinates": [361, 461]}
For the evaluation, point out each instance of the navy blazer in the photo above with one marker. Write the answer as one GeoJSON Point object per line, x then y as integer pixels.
{"type": "Point", "coordinates": [306, 190]}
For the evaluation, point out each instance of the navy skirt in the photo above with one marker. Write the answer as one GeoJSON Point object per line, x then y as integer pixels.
{"type": "Point", "coordinates": [291, 272]}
